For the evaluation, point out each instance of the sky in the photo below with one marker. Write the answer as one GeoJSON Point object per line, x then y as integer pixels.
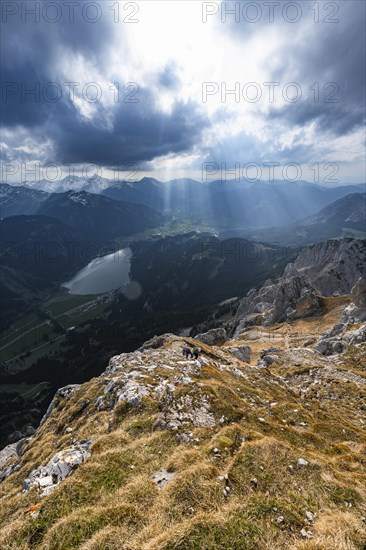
{"type": "Point", "coordinates": [170, 89]}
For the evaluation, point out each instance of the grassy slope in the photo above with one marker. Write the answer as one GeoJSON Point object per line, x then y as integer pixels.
{"type": "Point", "coordinates": [111, 501]}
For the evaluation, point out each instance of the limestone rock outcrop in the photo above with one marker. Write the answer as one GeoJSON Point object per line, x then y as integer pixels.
{"type": "Point", "coordinates": [334, 265]}
{"type": "Point", "coordinates": [62, 465]}
{"type": "Point", "coordinates": [288, 298]}
{"type": "Point", "coordinates": [213, 337]}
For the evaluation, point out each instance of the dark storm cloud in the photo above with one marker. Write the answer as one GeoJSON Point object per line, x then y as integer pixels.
{"type": "Point", "coordinates": [36, 54]}
{"type": "Point", "coordinates": [32, 50]}
{"type": "Point", "coordinates": [312, 52]}
{"type": "Point", "coordinates": [74, 29]}
{"type": "Point", "coordinates": [339, 120]}
{"type": "Point", "coordinates": [334, 55]}
{"type": "Point", "coordinates": [140, 133]}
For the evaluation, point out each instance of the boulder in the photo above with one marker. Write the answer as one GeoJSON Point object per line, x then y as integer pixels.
{"type": "Point", "coordinates": [268, 356]}
{"type": "Point", "coordinates": [156, 342]}
{"type": "Point", "coordinates": [243, 353]}
{"type": "Point", "coordinates": [213, 337]}
{"type": "Point", "coordinates": [329, 346]}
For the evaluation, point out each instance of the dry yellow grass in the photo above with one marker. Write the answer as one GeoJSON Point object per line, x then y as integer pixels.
{"type": "Point", "coordinates": [263, 425]}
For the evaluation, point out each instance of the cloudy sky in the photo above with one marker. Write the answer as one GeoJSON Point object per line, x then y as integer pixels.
{"type": "Point", "coordinates": [184, 88]}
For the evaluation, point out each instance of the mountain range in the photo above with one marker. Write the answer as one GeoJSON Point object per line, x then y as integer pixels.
{"type": "Point", "coordinates": [237, 216]}
{"type": "Point", "coordinates": [94, 184]}
{"type": "Point", "coordinates": [93, 217]}
{"type": "Point", "coordinates": [230, 203]}
{"type": "Point", "coordinates": [345, 217]}
{"type": "Point", "coordinates": [223, 204]}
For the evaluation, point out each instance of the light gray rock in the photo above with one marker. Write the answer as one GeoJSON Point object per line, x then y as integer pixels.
{"type": "Point", "coordinates": [183, 438]}
{"type": "Point", "coordinates": [322, 269]}
{"type": "Point", "coordinates": [100, 404]}
{"type": "Point", "coordinates": [261, 307]}
{"type": "Point", "coordinates": [269, 359]}
{"type": "Point", "coordinates": [334, 265]}
{"type": "Point", "coordinates": [286, 299]}
{"type": "Point", "coordinates": [352, 315]}
{"type": "Point", "coordinates": [8, 452]}
{"type": "Point", "coordinates": [61, 466]}
{"type": "Point", "coordinates": [290, 271]}
{"type": "Point", "coordinates": [132, 393]}
{"type": "Point", "coordinates": [306, 534]}
{"type": "Point", "coordinates": [243, 353]}
{"type": "Point", "coordinates": [8, 460]}
{"type": "Point", "coordinates": [295, 296]}
{"type": "Point", "coordinates": [356, 336]}
{"type": "Point", "coordinates": [45, 481]}
{"type": "Point", "coordinates": [329, 346]}
{"type": "Point", "coordinates": [162, 478]}
{"type": "Point", "coordinates": [156, 342]}
{"type": "Point", "coordinates": [213, 337]}
{"type": "Point", "coordinates": [268, 356]}
{"type": "Point", "coordinates": [187, 409]}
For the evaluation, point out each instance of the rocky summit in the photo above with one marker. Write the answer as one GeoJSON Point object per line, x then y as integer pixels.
{"type": "Point", "coordinates": [259, 443]}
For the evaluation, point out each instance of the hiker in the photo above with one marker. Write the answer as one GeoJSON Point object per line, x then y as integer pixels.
{"type": "Point", "coordinates": [187, 353]}
{"type": "Point", "coordinates": [196, 352]}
